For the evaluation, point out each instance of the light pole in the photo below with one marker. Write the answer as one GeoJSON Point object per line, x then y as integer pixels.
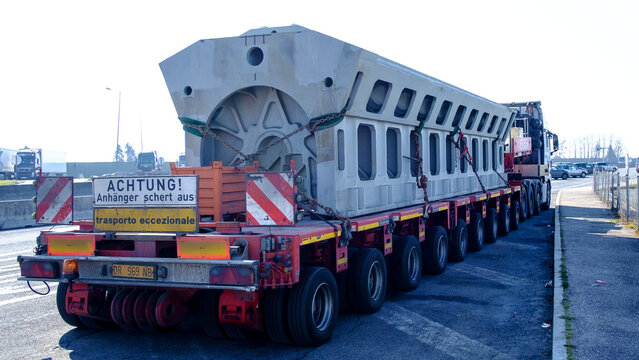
{"type": "Point", "coordinates": [117, 136]}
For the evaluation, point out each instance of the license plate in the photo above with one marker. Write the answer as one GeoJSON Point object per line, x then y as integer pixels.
{"type": "Point", "coordinates": [133, 271]}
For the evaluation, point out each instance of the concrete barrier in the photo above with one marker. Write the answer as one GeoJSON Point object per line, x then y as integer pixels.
{"type": "Point", "coordinates": [27, 191]}
{"type": "Point", "coordinates": [18, 213]}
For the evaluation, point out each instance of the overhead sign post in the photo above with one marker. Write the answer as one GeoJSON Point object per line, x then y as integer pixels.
{"type": "Point", "coordinates": [146, 204]}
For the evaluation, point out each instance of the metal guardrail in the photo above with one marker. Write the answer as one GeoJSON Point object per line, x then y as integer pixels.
{"type": "Point", "coordinates": [620, 192]}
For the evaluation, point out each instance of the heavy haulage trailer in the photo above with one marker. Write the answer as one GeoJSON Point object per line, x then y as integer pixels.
{"type": "Point", "coordinates": [326, 174]}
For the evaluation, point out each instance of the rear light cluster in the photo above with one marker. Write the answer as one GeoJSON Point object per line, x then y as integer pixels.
{"type": "Point", "coordinates": [224, 275]}
{"type": "Point", "coordinates": [39, 269]}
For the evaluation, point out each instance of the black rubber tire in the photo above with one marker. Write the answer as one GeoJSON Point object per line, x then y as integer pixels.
{"type": "Point", "coordinates": [491, 226]}
{"type": "Point", "coordinates": [360, 270]}
{"type": "Point", "coordinates": [435, 250]}
{"type": "Point", "coordinates": [475, 232]}
{"type": "Point", "coordinates": [564, 176]}
{"type": "Point", "coordinates": [302, 323]}
{"type": "Point", "coordinates": [523, 205]}
{"type": "Point", "coordinates": [240, 333]}
{"type": "Point", "coordinates": [276, 315]}
{"type": "Point", "coordinates": [583, 174]}
{"type": "Point", "coordinates": [546, 204]}
{"type": "Point", "coordinates": [514, 215]}
{"type": "Point", "coordinates": [406, 262]}
{"type": "Point", "coordinates": [504, 220]}
{"type": "Point", "coordinates": [60, 299]}
{"type": "Point", "coordinates": [458, 242]}
{"type": "Point", "coordinates": [531, 200]}
{"type": "Point", "coordinates": [537, 207]}
{"type": "Point", "coordinates": [535, 123]}
{"type": "Point", "coordinates": [208, 307]}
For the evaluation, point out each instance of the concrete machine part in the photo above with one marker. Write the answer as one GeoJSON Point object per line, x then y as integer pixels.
{"type": "Point", "coordinates": [255, 89]}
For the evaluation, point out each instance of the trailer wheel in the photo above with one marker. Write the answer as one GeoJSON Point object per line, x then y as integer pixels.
{"type": "Point", "coordinates": [504, 220]}
{"type": "Point", "coordinates": [276, 316]}
{"type": "Point", "coordinates": [475, 232]}
{"type": "Point", "coordinates": [208, 307]}
{"type": "Point", "coordinates": [537, 207]}
{"type": "Point", "coordinates": [313, 307]}
{"type": "Point", "coordinates": [60, 298]}
{"type": "Point", "coordinates": [406, 262]}
{"type": "Point", "coordinates": [435, 250]}
{"type": "Point", "coordinates": [523, 205]}
{"type": "Point", "coordinates": [117, 306]}
{"type": "Point", "coordinates": [514, 215]}
{"type": "Point", "coordinates": [240, 333]}
{"type": "Point", "coordinates": [367, 281]}
{"type": "Point", "coordinates": [531, 200]}
{"type": "Point", "coordinates": [546, 204]}
{"type": "Point", "coordinates": [458, 242]}
{"type": "Point", "coordinates": [490, 226]}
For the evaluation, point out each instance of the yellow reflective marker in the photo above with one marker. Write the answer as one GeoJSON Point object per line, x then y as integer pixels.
{"type": "Point", "coordinates": [77, 245]}
{"type": "Point", "coordinates": [145, 220]}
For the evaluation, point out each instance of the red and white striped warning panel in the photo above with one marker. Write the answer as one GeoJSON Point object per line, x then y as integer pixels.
{"type": "Point", "coordinates": [54, 200]}
{"type": "Point", "coordinates": [270, 199]}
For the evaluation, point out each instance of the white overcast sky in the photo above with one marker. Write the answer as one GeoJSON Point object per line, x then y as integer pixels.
{"type": "Point", "coordinates": [580, 58]}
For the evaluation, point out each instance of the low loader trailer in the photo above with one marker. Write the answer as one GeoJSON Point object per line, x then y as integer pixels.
{"type": "Point", "coordinates": [318, 175]}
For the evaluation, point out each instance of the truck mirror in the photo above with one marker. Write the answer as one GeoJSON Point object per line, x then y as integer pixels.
{"type": "Point", "coordinates": [555, 143]}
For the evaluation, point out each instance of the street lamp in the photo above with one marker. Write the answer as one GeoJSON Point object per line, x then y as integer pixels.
{"type": "Point", "coordinates": [117, 137]}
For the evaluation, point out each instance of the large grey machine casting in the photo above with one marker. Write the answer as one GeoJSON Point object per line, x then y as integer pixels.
{"type": "Point", "coordinates": [256, 88]}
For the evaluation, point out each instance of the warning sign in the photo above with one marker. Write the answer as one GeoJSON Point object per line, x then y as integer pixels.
{"type": "Point", "coordinates": [147, 191]}
{"type": "Point", "coordinates": [54, 200]}
{"type": "Point", "coordinates": [145, 219]}
{"type": "Point", "coordinates": [146, 204]}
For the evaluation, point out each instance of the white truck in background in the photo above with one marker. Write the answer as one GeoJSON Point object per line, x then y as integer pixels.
{"type": "Point", "coordinates": [8, 160]}
{"type": "Point", "coordinates": [35, 162]}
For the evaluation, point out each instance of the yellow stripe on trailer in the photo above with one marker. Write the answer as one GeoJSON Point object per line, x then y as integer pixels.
{"type": "Point", "coordinates": [442, 208]}
{"type": "Point", "coordinates": [507, 191]}
{"type": "Point", "coordinates": [388, 245]}
{"type": "Point", "coordinates": [411, 216]}
{"type": "Point", "coordinates": [314, 239]}
{"type": "Point", "coordinates": [423, 233]}
{"type": "Point", "coordinates": [494, 195]}
{"type": "Point", "coordinates": [342, 261]}
{"type": "Point", "coordinates": [367, 226]}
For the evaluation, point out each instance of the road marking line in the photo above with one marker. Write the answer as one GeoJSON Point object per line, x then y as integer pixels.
{"type": "Point", "coordinates": [487, 274]}
{"type": "Point", "coordinates": [15, 278]}
{"type": "Point", "coordinates": [10, 291]}
{"type": "Point", "coordinates": [4, 268]}
{"type": "Point", "coordinates": [21, 252]}
{"type": "Point", "coordinates": [24, 298]}
{"type": "Point", "coordinates": [15, 275]}
{"type": "Point", "coordinates": [436, 335]}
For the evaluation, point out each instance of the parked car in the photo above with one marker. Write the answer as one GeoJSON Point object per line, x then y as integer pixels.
{"type": "Point", "coordinates": [557, 173]}
{"type": "Point", "coordinates": [584, 166]}
{"type": "Point", "coordinates": [604, 166]}
{"type": "Point", "coordinates": [572, 170]}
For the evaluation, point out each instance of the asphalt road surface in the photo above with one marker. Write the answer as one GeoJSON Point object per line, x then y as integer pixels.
{"type": "Point", "coordinates": [492, 305]}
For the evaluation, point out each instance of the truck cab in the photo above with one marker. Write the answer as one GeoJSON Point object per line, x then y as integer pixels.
{"type": "Point", "coordinates": [27, 164]}
{"type": "Point", "coordinates": [148, 162]}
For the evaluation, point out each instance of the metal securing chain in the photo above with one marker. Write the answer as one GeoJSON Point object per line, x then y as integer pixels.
{"type": "Point", "coordinates": [311, 126]}
{"type": "Point", "coordinates": [420, 178]}
{"type": "Point", "coordinates": [243, 158]}
{"type": "Point", "coordinates": [461, 144]}
{"type": "Point", "coordinates": [345, 221]}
